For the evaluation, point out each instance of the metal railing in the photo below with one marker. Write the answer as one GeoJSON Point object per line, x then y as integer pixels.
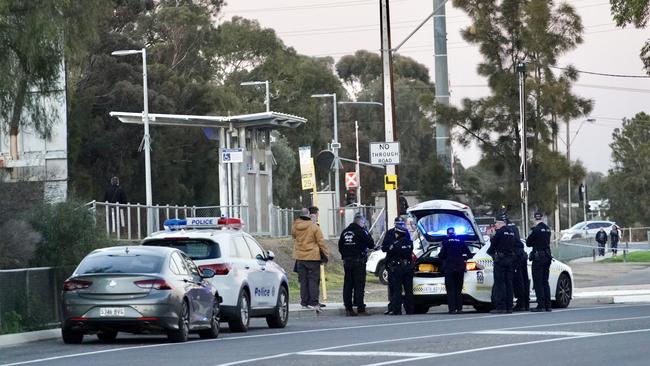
{"type": "Point", "coordinates": [631, 239]}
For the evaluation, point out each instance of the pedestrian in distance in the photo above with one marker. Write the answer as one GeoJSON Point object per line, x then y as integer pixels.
{"type": "Point", "coordinates": [114, 193]}
{"type": "Point", "coordinates": [308, 249]}
{"type": "Point", "coordinates": [601, 238]}
{"type": "Point", "coordinates": [540, 240]}
{"type": "Point", "coordinates": [454, 253]}
{"type": "Point", "coordinates": [614, 237]}
{"type": "Point", "coordinates": [353, 246]}
{"type": "Point", "coordinates": [502, 251]}
{"type": "Point", "coordinates": [399, 252]}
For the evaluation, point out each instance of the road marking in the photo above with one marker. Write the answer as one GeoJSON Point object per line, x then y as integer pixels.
{"type": "Point", "coordinates": [533, 332]}
{"type": "Point", "coordinates": [509, 345]}
{"type": "Point", "coordinates": [439, 335]}
{"type": "Point", "coordinates": [367, 354]}
{"type": "Point", "coordinates": [452, 319]}
{"type": "Point", "coordinates": [258, 359]}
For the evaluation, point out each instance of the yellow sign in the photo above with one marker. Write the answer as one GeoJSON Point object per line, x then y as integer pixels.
{"type": "Point", "coordinates": [390, 182]}
{"type": "Point", "coordinates": [308, 177]}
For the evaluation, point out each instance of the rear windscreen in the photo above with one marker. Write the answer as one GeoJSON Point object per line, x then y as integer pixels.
{"type": "Point", "coordinates": [196, 249]}
{"type": "Point", "coordinates": [120, 264]}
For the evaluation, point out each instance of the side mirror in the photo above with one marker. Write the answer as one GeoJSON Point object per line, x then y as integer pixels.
{"type": "Point", "coordinates": [207, 273]}
{"type": "Point", "coordinates": [270, 255]}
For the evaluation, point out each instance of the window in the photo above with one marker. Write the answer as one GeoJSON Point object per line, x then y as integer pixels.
{"type": "Point", "coordinates": [239, 248]}
{"type": "Point", "coordinates": [194, 270]}
{"type": "Point", "coordinates": [196, 249]}
{"type": "Point", "coordinates": [177, 265]}
{"type": "Point", "coordinates": [436, 224]}
{"type": "Point", "coordinates": [256, 250]}
{"type": "Point", "coordinates": [122, 263]}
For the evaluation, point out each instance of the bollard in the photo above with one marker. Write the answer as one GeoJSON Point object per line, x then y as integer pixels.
{"type": "Point", "coordinates": [627, 246]}
{"type": "Point", "coordinates": [593, 251]}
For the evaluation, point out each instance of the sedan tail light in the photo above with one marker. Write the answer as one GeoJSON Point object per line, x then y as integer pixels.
{"type": "Point", "coordinates": [72, 285]}
{"type": "Point", "coordinates": [414, 257]}
{"type": "Point", "coordinates": [218, 268]}
{"type": "Point", "coordinates": [473, 266]}
{"type": "Point", "coordinates": [153, 284]}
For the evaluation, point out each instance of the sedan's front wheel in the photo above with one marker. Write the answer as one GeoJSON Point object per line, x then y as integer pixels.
{"type": "Point", "coordinates": [563, 291]}
{"type": "Point", "coordinates": [182, 333]}
{"type": "Point", "coordinates": [213, 331]}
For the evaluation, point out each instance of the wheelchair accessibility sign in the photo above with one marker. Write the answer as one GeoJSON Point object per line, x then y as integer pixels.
{"type": "Point", "coordinates": [229, 156]}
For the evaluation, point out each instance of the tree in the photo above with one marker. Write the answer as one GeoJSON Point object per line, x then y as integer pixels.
{"type": "Point", "coordinates": [637, 13]}
{"type": "Point", "coordinates": [629, 179]}
{"type": "Point", "coordinates": [507, 32]}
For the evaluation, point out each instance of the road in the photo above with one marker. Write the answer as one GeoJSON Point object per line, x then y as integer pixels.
{"type": "Point", "coordinates": [581, 335]}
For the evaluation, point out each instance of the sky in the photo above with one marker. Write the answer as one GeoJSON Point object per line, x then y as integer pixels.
{"type": "Point", "coordinates": [339, 27]}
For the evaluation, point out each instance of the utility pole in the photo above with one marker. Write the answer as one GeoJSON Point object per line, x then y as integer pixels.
{"type": "Point", "coordinates": [521, 71]}
{"type": "Point", "coordinates": [356, 167]}
{"type": "Point", "coordinates": [443, 141]}
{"type": "Point", "coordinates": [390, 125]}
{"type": "Point", "coordinates": [568, 181]}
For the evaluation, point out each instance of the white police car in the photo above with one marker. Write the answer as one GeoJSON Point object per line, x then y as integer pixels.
{"type": "Point", "coordinates": [248, 281]}
{"type": "Point", "coordinates": [376, 263]}
{"type": "Point", "coordinates": [433, 219]}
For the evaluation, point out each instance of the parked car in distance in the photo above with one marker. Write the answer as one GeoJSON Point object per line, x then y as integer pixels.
{"type": "Point", "coordinates": [586, 230]}
{"type": "Point", "coordinates": [140, 290]}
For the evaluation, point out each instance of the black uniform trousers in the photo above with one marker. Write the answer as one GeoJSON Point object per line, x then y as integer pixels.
{"type": "Point", "coordinates": [400, 276]}
{"type": "Point", "coordinates": [454, 288]}
{"type": "Point", "coordinates": [354, 282]}
{"type": "Point", "coordinates": [503, 292]}
{"type": "Point", "coordinates": [521, 282]}
{"type": "Point", "coordinates": [540, 271]}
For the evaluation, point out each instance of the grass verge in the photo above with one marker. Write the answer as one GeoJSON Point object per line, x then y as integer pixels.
{"type": "Point", "coordinates": [634, 257]}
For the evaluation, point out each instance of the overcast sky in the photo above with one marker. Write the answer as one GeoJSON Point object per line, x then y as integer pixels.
{"type": "Point", "coordinates": [338, 27]}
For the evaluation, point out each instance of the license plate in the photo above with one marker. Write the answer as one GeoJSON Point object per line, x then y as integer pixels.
{"type": "Point", "coordinates": [429, 289]}
{"type": "Point", "coordinates": [111, 312]}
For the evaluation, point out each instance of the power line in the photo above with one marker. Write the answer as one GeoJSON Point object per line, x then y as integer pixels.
{"type": "Point", "coordinates": [605, 74]}
{"type": "Point", "coordinates": [340, 4]}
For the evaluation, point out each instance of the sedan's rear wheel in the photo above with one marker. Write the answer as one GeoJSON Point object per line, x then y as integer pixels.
{"type": "Point", "coordinates": [383, 273]}
{"type": "Point", "coordinates": [280, 315]}
{"type": "Point", "coordinates": [107, 335]}
{"type": "Point", "coordinates": [71, 336]}
{"type": "Point", "coordinates": [239, 322]}
{"type": "Point", "coordinates": [563, 291]}
{"type": "Point", "coordinates": [421, 308]}
{"type": "Point", "coordinates": [213, 331]}
{"type": "Point", "coordinates": [182, 333]}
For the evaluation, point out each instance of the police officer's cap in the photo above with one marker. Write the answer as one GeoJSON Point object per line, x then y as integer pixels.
{"type": "Point", "coordinates": [538, 215]}
{"type": "Point", "coordinates": [400, 224]}
{"type": "Point", "coordinates": [501, 217]}
{"type": "Point", "coordinates": [358, 216]}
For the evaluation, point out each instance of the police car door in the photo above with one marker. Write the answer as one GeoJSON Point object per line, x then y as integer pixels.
{"type": "Point", "coordinates": [250, 267]}
{"type": "Point", "coordinates": [265, 289]}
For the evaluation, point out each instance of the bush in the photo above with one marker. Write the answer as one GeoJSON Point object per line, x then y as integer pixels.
{"type": "Point", "coordinates": [68, 233]}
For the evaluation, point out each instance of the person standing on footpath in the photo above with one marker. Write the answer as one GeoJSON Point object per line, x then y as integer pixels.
{"type": "Point", "coordinates": [353, 246]}
{"type": "Point", "coordinates": [399, 251]}
{"type": "Point", "coordinates": [614, 237]}
{"type": "Point", "coordinates": [601, 238]}
{"type": "Point", "coordinates": [502, 251]}
{"type": "Point", "coordinates": [308, 249]}
{"type": "Point", "coordinates": [540, 240]}
{"type": "Point", "coordinates": [455, 253]}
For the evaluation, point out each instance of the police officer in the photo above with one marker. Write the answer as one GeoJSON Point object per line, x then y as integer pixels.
{"type": "Point", "coordinates": [353, 246]}
{"type": "Point", "coordinates": [540, 240]}
{"type": "Point", "coordinates": [399, 249]}
{"type": "Point", "coordinates": [520, 280]}
{"type": "Point", "coordinates": [455, 253]}
{"type": "Point", "coordinates": [502, 251]}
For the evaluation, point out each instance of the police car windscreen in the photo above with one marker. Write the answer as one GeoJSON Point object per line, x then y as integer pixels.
{"type": "Point", "coordinates": [436, 225]}
{"type": "Point", "coordinates": [197, 249]}
{"type": "Point", "coordinates": [127, 263]}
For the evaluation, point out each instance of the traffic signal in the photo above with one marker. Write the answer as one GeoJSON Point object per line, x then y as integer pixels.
{"type": "Point", "coordinates": [351, 197]}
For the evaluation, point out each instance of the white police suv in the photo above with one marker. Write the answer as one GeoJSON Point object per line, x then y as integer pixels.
{"type": "Point", "coordinates": [248, 281]}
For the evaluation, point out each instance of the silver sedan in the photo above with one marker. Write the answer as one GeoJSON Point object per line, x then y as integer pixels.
{"type": "Point", "coordinates": [142, 290]}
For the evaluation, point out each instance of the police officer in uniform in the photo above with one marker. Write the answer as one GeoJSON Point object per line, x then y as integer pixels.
{"type": "Point", "coordinates": [455, 253]}
{"type": "Point", "coordinates": [502, 251]}
{"type": "Point", "coordinates": [399, 250]}
{"type": "Point", "coordinates": [353, 246]}
{"type": "Point", "coordinates": [520, 280]}
{"type": "Point", "coordinates": [540, 240]}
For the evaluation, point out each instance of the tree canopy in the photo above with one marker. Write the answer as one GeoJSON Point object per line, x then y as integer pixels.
{"type": "Point", "coordinates": [637, 13]}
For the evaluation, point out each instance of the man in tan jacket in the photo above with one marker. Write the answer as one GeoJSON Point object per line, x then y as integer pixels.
{"type": "Point", "coordinates": [308, 245]}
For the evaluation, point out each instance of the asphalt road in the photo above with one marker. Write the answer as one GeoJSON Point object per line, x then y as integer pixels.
{"type": "Point", "coordinates": [581, 335]}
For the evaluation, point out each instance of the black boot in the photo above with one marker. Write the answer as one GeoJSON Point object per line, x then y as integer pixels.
{"type": "Point", "coordinates": [350, 312]}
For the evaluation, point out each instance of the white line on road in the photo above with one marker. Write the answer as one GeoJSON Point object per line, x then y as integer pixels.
{"type": "Point", "coordinates": [506, 346]}
{"type": "Point", "coordinates": [451, 319]}
{"type": "Point", "coordinates": [535, 332]}
{"type": "Point", "coordinates": [368, 354]}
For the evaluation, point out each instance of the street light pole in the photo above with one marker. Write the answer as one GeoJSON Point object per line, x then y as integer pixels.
{"type": "Point", "coordinates": [521, 70]}
{"type": "Point", "coordinates": [267, 99]}
{"type": "Point", "coordinates": [568, 158]}
{"type": "Point", "coordinates": [146, 138]}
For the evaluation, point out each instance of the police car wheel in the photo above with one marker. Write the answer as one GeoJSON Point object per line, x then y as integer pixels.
{"type": "Point", "coordinates": [383, 274]}
{"type": "Point", "coordinates": [483, 307]}
{"type": "Point", "coordinates": [71, 336]}
{"type": "Point", "coordinates": [107, 335]}
{"type": "Point", "coordinates": [280, 315]}
{"type": "Point", "coordinates": [213, 331]}
{"type": "Point", "coordinates": [182, 333]}
{"type": "Point", "coordinates": [563, 292]}
{"type": "Point", "coordinates": [421, 308]}
{"type": "Point", "coordinates": [239, 323]}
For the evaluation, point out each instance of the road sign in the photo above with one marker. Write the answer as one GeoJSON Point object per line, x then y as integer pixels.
{"type": "Point", "coordinates": [351, 180]}
{"type": "Point", "coordinates": [307, 175]}
{"type": "Point", "coordinates": [390, 182]}
{"type": "Point", "coordinates": [384, 153]}
{"type": "Point", "coordinates": [304, 153]}
{"type": "Point", "coordinates": [229, 156]}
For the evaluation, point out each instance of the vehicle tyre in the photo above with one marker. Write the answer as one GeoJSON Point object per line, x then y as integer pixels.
{"type": "Point", "coordinates": [213, 331]}
{"type": "Point", "coordinates": [280, 315]}
{"type": "Point", "coordinates": [421, 308]}
{"type": "Point", "coordinates": [239, 323]}
{"type": "Point", "coordinates": [563, 291]}
{"type": "Point", "coordinates": [71, 336]}
{"type": "Point", "coordinates": [182, 333]}
{"type": "Point", "coordinates": [483, 307]}
{"type": "Point", "coordinates": [382, 273]}
{"type": "Point", "coordinates": [107, 335]}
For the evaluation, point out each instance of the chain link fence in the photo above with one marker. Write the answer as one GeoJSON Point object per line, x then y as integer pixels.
{"type": "Point", "coordinates": [631, 240]}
